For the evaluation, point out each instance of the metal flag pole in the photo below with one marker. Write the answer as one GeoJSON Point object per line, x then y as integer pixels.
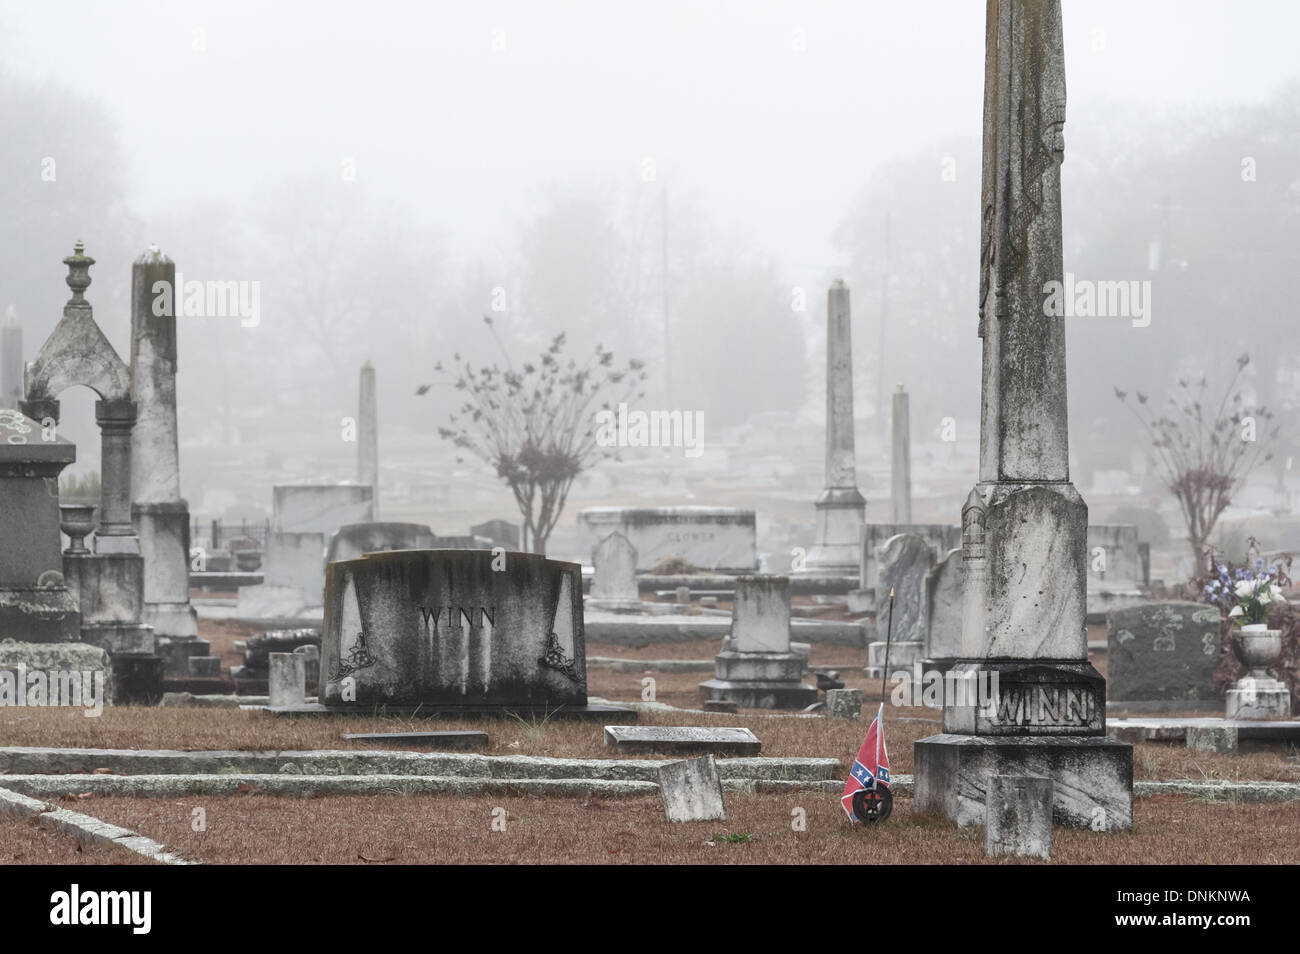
{"type": "Point", "coordinates": [889, 632]}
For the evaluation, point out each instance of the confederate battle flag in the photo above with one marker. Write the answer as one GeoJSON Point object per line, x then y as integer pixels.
{"type": "Point", "coordinates": [870, 768]}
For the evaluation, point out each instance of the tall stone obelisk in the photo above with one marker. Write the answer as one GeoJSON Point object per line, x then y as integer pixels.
{"type": "Point", "coordinates": [900, 459]}
{"type": "Point", "coordinates": [368, 435]}
{"type": "Point", "coordinates": [11, 360]}
{"type": "Point", "coordinates": [1024, 526]}
{"type": "Point", "coordinates": [841, 509]}
{"type": "Point", "coordinates": [160, 515]}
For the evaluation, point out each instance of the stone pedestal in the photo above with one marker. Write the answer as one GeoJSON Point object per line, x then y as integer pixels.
{"type": "Point", "coordinates": [1251, 698]}
{"type": "Point", "coordinates": [164, 530]}
{"type": "Point", "coordinates": [757, 670]}
{"type": "Point", "coordinates": [1257, 695]}
{"type": "Point", "coordinates": [1092, 776]}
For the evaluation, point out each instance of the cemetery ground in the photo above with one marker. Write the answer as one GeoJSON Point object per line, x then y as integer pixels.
{"type": "Point", "coordinates": [399, 824]}
{"type": "Point", "coordinates": [421, 829]}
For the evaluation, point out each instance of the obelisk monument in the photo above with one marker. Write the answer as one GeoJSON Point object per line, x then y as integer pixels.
{"type": "Point", "coordinates": [368, 436]}
{"type": "Point", "coordinates": [841, 509]}
{"type": "Point", "coordinates": [160, 515]}
{"type": "Point", "coordinates": [1024, 526]}
{"type": "Point", "coordinates": [900, 459]}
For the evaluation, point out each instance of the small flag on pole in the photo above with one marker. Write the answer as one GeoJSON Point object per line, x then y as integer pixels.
{"type": "Point", "coordinates": [871, 767]}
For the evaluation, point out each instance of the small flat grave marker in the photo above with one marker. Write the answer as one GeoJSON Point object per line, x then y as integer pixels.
{"type": "Point", "coordinates": [682, 740]}
{"type": "Point", "coordinates": [450, 739]}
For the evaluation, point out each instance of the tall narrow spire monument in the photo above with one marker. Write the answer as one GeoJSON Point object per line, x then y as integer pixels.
{"type": "Point", "coordinates": [1024, 525]}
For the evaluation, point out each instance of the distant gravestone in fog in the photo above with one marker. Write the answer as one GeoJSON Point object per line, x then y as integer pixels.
{"type": "Point", "coordinates": [502, 533]}
{"type": "Point", "coordinates": [614, 559]}
{"type": "Point", "coordinates": [356, 539]}
{"type": "Point", "coordinates": [904, 561]}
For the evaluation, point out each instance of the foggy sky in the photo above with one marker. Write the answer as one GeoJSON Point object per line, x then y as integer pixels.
{"type": "Point", "coordinates": [776, 141]}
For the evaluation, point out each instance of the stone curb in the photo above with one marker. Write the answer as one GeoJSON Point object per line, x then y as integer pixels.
{"type": "Point", "coordinates": [1222, 790]}
{"type": "Point", "coordinates": [85, 827]}
{"type": "Point", "coordinates": [307, 786]}
{"type": "Point", "coordinates": [26, 761]}
{"type": "Point", "coordinates": [619, 664]}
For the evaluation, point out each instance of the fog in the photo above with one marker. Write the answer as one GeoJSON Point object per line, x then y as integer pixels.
{"type": "Point", "coordinates": [389, 173]}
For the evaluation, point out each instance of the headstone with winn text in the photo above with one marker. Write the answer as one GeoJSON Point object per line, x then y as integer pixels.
{"type": "Point", "coordinates": [453, 629]}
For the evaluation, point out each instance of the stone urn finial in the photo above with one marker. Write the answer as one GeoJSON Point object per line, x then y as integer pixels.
{"type": "Point", "coordinates": [78, 272]}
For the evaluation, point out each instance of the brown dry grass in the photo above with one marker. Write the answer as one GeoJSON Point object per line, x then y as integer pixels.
{"type": "Point", "coordinates": [23, 842]}
{"type": "Point", "coordinates": [429, 829]}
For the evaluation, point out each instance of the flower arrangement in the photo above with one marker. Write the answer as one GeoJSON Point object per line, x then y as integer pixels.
{"type": "Point", "coordinates": [1247, 594]}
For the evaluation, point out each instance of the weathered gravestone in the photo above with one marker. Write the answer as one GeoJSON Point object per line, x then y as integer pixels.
{"type": "Point", "coordinates": [455, 629]}
{"type": "Point", "coordinates": [287, 685]}
{"type": "Point", "coordinates": [1018, 819]}
{"type": "Point", "coordinates": [692, 790]}
{"type": "Point", "coordinates": [709, 538]}
{"type": "Point", "coordinates": [614, 560]}
{"type": "Point", "coordinates": [303, 518]}
{"type": "Point", "coordinates": [1162, 656]}
{"type": "Point", "coordinates": [258, 650]}
{"type": "Point", "coordinates": [614, 587]}
{"type": "Point", "coordinates": [942, 537]}
{"type": "Point", "coordinates": [1116, 570]}
{"type": "Point", "coordinates": [943, 598]}
{"type": "Point", "coordinates": [757, 669]}
{"type": "Point", "coordinates": [502, 533]}
{"type": "Point", "coordinates": [357, 539]}
{"type": "Point", "coordinates": [904, 562]}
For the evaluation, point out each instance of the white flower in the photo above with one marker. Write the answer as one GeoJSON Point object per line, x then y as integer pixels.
{"type": "Point", "coordinates": [1276, 593]}
{"type": "Point", "coordinates": [1236, 611]}
{"type": "Point", "coordinates": [1263, 597]}
{"type": "Point", "coordinates": [1244, 589]}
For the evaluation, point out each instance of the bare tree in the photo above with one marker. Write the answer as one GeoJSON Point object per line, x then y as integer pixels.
{"type": "Point", "coordinates": [1203, 459]}
{"type": "Point", "coordinates": [537, 426]}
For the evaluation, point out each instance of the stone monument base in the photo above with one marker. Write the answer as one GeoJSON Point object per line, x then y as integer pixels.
{"type": "Point", "coordinates": [902, 656]}
{"type": "Point", "coordinates": [39, 614]}
{"type": "Point", "coordinates": [135, 639]}
{"type": "Point", "coordinates": [1092, 777]}
{"type": "Point", "coordinates": [1251, 698]}
{"type": "Point", "coordinates": [137, 679]}
{"type": "Point", "coordinates": [177, 650]}
{"type": "Point", "coordinates": [759, 693]}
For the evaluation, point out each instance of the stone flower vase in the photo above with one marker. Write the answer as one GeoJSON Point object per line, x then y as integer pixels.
{"type": "Point", "coordinates": [77, 521]}
{"type": "Point", "coordinates": [1260, 648]}
{"type": "Point", "coordinates": [1257, 695]}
